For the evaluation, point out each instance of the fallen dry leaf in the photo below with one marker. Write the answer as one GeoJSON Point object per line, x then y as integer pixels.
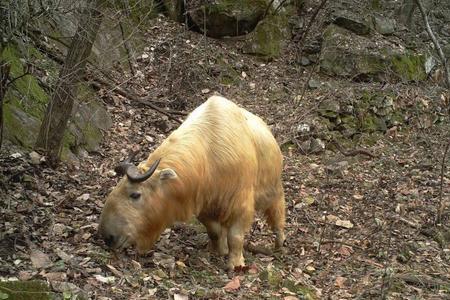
{"type": "Point", "coordinates": [233, 285]}
{"type": "Point", "coordinates": [340, 282]}
{"type": "Point", "coordinates": [180, 297]}
{"type": "Point", "coordinates": [115, 271]}
{"type": "Point", "coordinates": [39, 259]}
{"type": "Point", "coordinates": [103, 279]}
{"type": "Point", "coordinates": [345, 250]}
{"type": "Point", "coordinates": [290, 298]}
{"type": "Point", "coordinates": [55, 276]}
{"type": "Point", "coordinates": [344, 223]}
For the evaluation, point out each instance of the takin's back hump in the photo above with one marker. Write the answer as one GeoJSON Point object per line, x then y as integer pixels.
{"type": "Point", "coordinates": [240, 148]}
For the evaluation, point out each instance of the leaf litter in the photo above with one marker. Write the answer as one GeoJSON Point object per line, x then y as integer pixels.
{"type": "Point", "coordinates": [344, 229]}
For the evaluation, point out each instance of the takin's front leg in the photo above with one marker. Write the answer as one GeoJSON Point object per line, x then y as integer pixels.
{"type": "Point", "coordinates": [217, 236]}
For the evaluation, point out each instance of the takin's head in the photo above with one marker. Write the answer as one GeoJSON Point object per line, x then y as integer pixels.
{"type": "Point", "coordinates": [137, 210]}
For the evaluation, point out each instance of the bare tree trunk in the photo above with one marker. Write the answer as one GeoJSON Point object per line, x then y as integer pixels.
{"type": "Point", "coordinates": [60, 107]}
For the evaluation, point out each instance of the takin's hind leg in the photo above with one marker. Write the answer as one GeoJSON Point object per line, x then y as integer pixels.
{"type": "Point", "coordinates": [276, 215]}
{"type": "Point", "coordinates": [217, 237]}
{"type": "Point", "coordinates": [239, 225]}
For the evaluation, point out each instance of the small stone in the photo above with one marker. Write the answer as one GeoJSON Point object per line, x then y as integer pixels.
{"type": "Point", "coordinates": [303, 128]}
{"type": "Point", "coordinates": [305, 147]}
{"type": "Point", "coordinates": [59, 229]}
{"type": "Point", "coordinates": [310, 269]}
{"type": "Point", "coordinates": [16, 155]}
{"type": "Point", "coordinates": [144, 56]}
{"type": "Point", "coordinates": [205, 91]}
{"type": "Point", "coordinates": [314, 84]}
{"type": "Point", "coordinates": [317, 146]}
{"type": "Point", "coordinates": [35, 158]}
{"type": "Point", "coordinates": [304, 61]}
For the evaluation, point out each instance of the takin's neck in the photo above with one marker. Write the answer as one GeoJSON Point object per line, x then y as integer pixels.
{"type": "Point", "coordinates": [188, 161]}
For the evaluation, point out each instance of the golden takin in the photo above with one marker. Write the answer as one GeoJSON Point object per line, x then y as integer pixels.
{"type": "Point", "coordinates": [221, 165]}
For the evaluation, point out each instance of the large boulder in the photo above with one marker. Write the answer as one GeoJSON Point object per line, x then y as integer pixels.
{"type": "Point", "coordinates": [269, 37]}
{"type": "Point", "coordinates": [221, 18]}
{"type": "Point", "coordinates": [347, 54]}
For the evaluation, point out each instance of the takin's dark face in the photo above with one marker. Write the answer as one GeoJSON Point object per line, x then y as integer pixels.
{"type": "Point", "coordinates": [137, 213]}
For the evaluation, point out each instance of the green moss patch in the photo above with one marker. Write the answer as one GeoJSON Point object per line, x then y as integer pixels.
{"type": "Point", "coordinates": [25, 290]}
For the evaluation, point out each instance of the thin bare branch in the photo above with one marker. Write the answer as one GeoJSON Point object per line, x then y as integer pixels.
{"type": "Point", "coordinates": [436, 43]}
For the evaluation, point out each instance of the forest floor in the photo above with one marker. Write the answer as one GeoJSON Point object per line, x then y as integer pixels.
{"type": "Point", "coordinates": [357, 226]}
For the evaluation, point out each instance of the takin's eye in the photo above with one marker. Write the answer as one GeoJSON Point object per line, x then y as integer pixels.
{"type": "Point", "coordinates": [135, 195]}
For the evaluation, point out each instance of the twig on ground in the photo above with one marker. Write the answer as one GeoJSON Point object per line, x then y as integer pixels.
{"type": "Point", "coordinates": [423, 280]}
{"type": "Point", "coordinates": [258, 249]}
{"type": "Point", "coordinates": [409, 223]}
{"type": "Point", "coordinates": [311, 72]}
{"type": "Point", "coordinates": [435, 42]}
{"type": "Point", "coordinates": [342, 243]}
{"type": "Point", "coordinates": [99, 83]}
{"type": "Point", "coordinates": [441, 200]}
{"type": "Point", "coordinates": [352, 152]}
{"type": "Point", "coordinates": [308, 27]}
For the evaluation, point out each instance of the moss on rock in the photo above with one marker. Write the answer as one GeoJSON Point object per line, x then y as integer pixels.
{"type": "Point", "coordinates": [409, 66]}
{"type": "Point", "coordinates": [25, 104]}
{"type": "Point", "coordinates": [268, 38]}
{"type": "Point", "coordinates": [349, 55]}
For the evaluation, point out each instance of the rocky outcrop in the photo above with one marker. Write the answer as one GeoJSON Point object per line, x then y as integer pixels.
{"type": "Point", "coordinates": [226, 17]}
{"type": "Point", "coordinates": [25, 103]}
{"type": "Point", "coordinates": [347, 54]}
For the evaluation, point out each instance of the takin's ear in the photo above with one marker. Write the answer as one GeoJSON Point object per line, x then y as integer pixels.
{"type": "Point", "coordinates": [167, 174]}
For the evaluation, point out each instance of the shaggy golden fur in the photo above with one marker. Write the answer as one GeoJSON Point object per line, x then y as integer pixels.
{"type": "Point", "coordinates": [221, 165]}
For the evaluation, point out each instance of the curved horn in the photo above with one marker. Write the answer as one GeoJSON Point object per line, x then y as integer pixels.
{"type": "Point", "coordinates": [123, 166]}
{"type": "Point", "coordinates": [134, 176]}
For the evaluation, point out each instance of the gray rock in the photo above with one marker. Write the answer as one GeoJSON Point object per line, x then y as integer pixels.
{"type": "Point", "coordinates": [35, 158]}
{"type": "Point", "coordinates": [350, 21]}
{"type": "Point", "coordinates": [317, 146]}
{"type": "Point", "coordinates": [349, 55]}
{"type": "Point", "coordinates": [227, 18]}
{"type": "Point", "coordinates": [314, 84]}
{"type": "Point", "coordinates": [20, 127]}
{"type": "Point", "coordinates": [384, 25]}
{"type": "Point", "coordinates": [304, 61]}
{"type": "Point", "coordinates": [329, 108]}
{"type": "Point", "coordinates": [305, 146]}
